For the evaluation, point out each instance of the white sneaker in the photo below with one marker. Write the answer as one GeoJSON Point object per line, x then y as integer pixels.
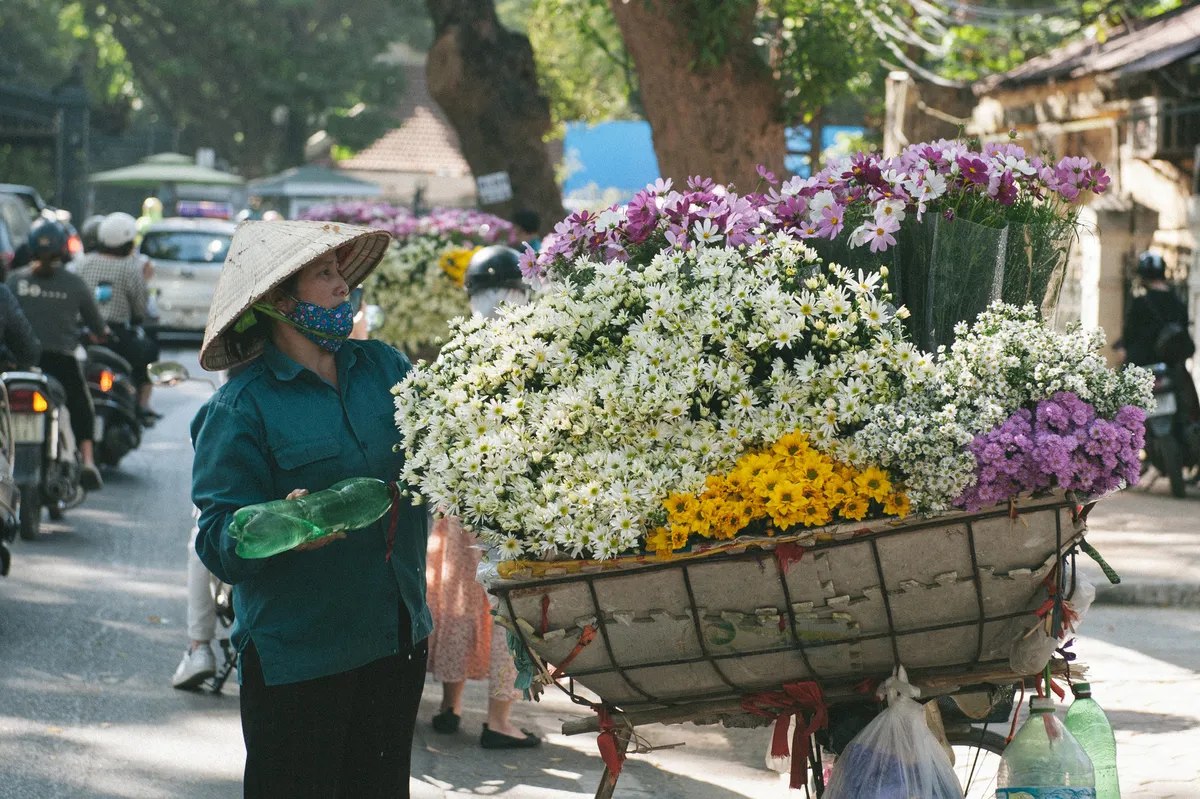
{"type": "Point", "coordinates": [197, 666]}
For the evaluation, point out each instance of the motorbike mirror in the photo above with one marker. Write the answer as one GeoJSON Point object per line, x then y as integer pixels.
{"type": "Point", "coordinates": [167, 373]}
{"type": "Point", "coordinates": [375, 318]}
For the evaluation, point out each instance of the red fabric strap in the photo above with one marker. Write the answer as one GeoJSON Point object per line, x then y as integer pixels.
{"type": "Point", "coordinates": [788, 554]}
{"type": "Point", "coordinates": [586, 637]}
{"type": "Point", "coordinates": [803, 700]}
{"type": "Point", "coordinates": [611, 751]}
{"type": "Point", "coordinates": [393, 518]}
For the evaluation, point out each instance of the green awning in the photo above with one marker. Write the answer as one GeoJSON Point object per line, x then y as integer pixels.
{"type": "Point", "coordinates": [165, 168]}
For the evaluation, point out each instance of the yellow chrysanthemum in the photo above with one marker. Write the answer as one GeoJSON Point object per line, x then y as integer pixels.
{"type": "Point", "coordinates": [785, 503]}
{"type": "Point", "coordinates": [661, 542]}
{"type": "Point", "coordinates": [792, 447]}
{"type": "Point", "coordinates": [854, 508]}
{"type": "Point", "coordinates": [874, 483]}
{"type": "Point", "coordinates": [816, 514]}
{"type": "Point", "coordinates": [679, 539]}
{"type": "Point", "coordinates": [677, 505]}
{"type": "Point", "coordinates": [896, 504]}
{"type": "Point", "coordinates": [837, 490]}
{"type": "Point", "coordinates": [764, 483]}
{"type": "Point", "coordinates": [454, 263]}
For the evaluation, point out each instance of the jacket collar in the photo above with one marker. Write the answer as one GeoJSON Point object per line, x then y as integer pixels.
{"type": "Point", "coordinates": [284, 368]}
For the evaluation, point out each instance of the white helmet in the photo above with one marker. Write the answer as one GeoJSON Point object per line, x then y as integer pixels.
{"type": "Point", "coordinates": [117, 230]}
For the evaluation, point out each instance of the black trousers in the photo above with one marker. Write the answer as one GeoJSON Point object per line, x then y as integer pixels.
{"type": "Point", "coordinates": [347, 736]}
{"type": "Point", "coordinates": [65, 369]}
{"type": "Point", "coordinates": [140, 351]}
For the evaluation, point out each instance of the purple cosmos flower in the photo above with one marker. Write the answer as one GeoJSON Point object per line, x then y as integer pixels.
{"type": "Point", "coordinates": [973, 169]}
{"type": "Point", "coordinates": [833, 219]}
{"type": "Point", "coordinates": [769, 177]}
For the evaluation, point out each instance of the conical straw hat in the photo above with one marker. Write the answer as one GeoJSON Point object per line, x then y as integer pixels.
{"type": "Point", "coordinates": [264, 254]}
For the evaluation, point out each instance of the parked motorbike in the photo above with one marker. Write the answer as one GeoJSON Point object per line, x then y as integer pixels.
{"type": "Point", "coordinates": [118, 424]}
{"type": "Point", "coordinates": [10, 495]}
{"type": "Point", "coordinates": [1172, 429]}
{"type": "Point", "coordinates": [46, 461]}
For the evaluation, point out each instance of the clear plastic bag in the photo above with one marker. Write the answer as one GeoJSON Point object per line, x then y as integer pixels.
{"type": "Point", "coordinates": [1034, 647]}
{"type": "Point", "coordinates": [896, 756]}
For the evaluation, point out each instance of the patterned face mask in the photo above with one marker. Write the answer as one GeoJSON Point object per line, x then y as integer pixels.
{"type": "Point", "coordinates": [328, 327]}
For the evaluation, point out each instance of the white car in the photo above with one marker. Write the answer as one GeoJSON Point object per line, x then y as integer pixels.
{"type": "Point", "coordinates": [187, 256]}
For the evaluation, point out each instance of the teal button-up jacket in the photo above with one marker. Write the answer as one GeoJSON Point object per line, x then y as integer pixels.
{"type": "Point", "coordinates": [277, 427]}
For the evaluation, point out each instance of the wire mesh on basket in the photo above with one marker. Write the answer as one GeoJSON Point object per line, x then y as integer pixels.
{"type": "Point", "coordinates": [629, 668]}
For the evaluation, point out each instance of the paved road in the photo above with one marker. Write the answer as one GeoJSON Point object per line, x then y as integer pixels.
{"type": "Point", "coordinates": [92, 625]}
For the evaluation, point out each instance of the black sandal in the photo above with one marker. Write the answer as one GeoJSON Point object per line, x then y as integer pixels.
{"type": "Point", "coordinates": [490, 739]}
{"type": "Point", "coordinates": [447, 721]}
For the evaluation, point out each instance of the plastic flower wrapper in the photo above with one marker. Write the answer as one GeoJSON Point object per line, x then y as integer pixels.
{"type": "Point", "coordinates": [561, 428]}
{"type": "Point", "coordinates": [896, 756]}
{"type": "Point", "coordinates": [958, 225]}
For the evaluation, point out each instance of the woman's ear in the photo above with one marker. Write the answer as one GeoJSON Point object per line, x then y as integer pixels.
{"type": "Point", "coordinates": [282, 302]}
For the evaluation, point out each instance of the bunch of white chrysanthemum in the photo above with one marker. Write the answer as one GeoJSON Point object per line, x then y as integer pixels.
{"type": "Point", "coordinates": [1007, 360]}
{"type": "Point", "coordinates": [1010, 358]}
{"type": "Point", "coordinates": [417, 296]}
{"type": "Point", "coordinates": [561, 427]}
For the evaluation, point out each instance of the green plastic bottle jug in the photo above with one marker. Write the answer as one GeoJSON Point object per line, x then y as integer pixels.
{"type": "Point", "coordinates": [273, 527]}
{"type": "Point", "coordinates": [1087, 722]}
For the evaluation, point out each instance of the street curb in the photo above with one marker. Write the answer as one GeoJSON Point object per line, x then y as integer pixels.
{"type": "Point", "coordinates": [1156, 595]}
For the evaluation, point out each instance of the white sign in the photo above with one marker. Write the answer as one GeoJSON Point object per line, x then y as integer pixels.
{"type": "Point", "coordinates": [493, 188]}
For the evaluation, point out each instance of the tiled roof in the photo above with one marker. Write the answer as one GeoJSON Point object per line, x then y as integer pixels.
{"type": "Point", "coordinates": [423, 142]}
{"type": "Point", "coordinates": [1161, 41]}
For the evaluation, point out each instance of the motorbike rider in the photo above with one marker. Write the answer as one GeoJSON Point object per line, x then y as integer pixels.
{"type": "Point", "coordinates": [116, 276]}
{"type": "Point", "coordinates": [89, 232]}
{"type": "Point", "coordinates": [19, 347]}
{"type": "Point", "coordinates": [53, 300]}
{"type": "Point", "coordinates": [1150, 313]}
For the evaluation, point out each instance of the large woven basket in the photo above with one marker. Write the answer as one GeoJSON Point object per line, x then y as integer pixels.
{"type": "Point", "coordinates": [835, 605]}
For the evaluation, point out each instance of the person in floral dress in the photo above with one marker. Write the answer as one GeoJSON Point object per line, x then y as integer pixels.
{"type": "Point", "coordinates": [466, 644]}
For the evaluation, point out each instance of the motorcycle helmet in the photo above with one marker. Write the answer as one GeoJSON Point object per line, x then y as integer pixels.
{"type": "Point", "coordinates": [1151, 266]}
{"type": "Point", "coordinates": [89, 233]}
{"type": "Point", "coordinates": [48, 240]}
{"type": "Point", "coordinates": [117, 230]}
{"type": "Point", "coordinates": [495, 267]}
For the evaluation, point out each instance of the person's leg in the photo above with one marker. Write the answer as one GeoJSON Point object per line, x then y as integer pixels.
{"type": "Point", "coordinates": [295, 734]}
{"type": "Point", "coordinates": [452, 696]}
{"type": "Point", "coordinates": [502, 692]}
{"type": "Point", "coordinates": [198, 663]}
{"type": "Point", "coordinates": [67, 371]}
{"type": "Point", "coordinates": [386, 696]}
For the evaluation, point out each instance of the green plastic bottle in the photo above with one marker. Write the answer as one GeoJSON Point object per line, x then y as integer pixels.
{"type": "Point", "coordinates": [273, 527]}
{"type": "Point", "coordinates": [1087, 722]}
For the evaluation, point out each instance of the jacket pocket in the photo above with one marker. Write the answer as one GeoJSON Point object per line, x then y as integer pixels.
{"type": "Point", "coordinates": [309, 462]}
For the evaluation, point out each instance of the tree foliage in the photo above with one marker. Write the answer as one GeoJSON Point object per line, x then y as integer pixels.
{"type": "Point", "coordinates": [258, 77]}
{"type": "Point", "coordinates": [582, 64]}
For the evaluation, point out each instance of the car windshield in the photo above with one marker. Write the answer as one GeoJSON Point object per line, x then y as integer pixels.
{"type": "Point", "coordinates": [191, 246]}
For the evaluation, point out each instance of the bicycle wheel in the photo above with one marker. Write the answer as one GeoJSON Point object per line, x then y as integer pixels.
{"type": "Point", "coordinates": [976, 760]}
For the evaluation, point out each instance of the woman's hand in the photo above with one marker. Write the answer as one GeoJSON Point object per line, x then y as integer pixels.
{"type": "Point", "coordinates": [320, 542]}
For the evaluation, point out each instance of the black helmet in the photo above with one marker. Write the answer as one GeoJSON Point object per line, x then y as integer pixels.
{"type": "Point", "coordinates": [89, 233]}
{"type": "Point", "coordinates": [1150, 266]}
{"type": "Point", "coordinates": [47, 240]}
{"type": "Point", "coordinates": [495, 267]}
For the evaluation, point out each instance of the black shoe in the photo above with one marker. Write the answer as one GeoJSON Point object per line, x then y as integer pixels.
{"type": "Point", "coordinates": [489, 739]}
{"type": "Point", "coordinates": [446, 722]}
{"type": "Point", "coordinates": [90, 479]}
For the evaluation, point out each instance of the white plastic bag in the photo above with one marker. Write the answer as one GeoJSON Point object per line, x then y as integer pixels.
{"type": "Point", "coordinates": [1034, 648]}
{"type": "Point", "coordinates": [896, 756]}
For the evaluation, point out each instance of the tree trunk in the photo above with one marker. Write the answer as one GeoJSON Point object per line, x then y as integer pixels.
{"type": "Point", "coordinates": [483, 77]}
{"type": "Point", "coordinates": [719, 122]}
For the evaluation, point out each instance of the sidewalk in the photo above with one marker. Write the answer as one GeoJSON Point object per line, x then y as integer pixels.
{"type": "Point", "coordinates": [1153, 541]}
